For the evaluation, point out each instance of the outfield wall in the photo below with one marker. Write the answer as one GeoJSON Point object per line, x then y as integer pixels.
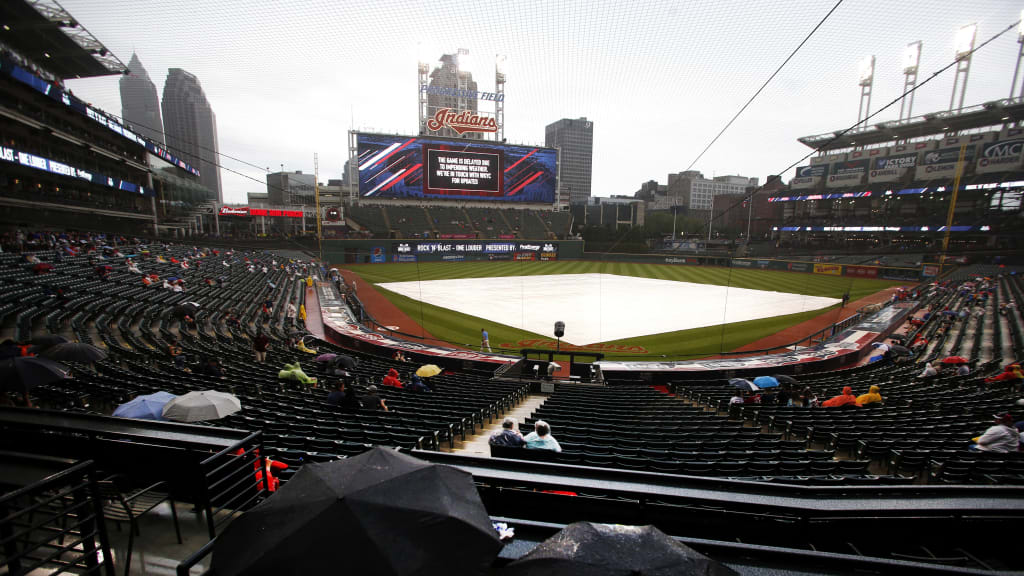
{"type": "Point", "coordinates": [341, 252]}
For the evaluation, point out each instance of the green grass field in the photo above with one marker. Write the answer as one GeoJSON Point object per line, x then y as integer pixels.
{"type": "Point", "coordinates": [463, 329]}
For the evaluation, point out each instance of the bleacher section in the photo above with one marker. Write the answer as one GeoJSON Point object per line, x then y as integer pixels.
{"type": "Point", "coordinates": [410, 221]}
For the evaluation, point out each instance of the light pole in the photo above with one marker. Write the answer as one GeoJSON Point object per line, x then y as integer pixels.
{"type": "Point", "coordinates": [964, 47]}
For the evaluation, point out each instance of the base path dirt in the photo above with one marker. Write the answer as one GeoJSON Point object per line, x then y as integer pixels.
{"type": "Point", "coordinates": [387, 314]}
{"type": "Point", "coordinates": [805, 329]}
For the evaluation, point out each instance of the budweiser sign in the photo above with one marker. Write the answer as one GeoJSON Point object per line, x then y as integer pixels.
{"type": "Point", "coordinates": [461, 122]}
{"type": "Point", "coordinates": [229, 211]}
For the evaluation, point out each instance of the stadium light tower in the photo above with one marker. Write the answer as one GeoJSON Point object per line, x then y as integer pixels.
{"type": "Point", "coordinates": [866, 69]}
{"type": "Point", "coordinates": [1020, 56]}
{"type": "Point", "coordinates": [911, 60]}
{"type": "Point", "coordinates": [424, 56]}
{"type": "Point", "coordinates": [499, 91]}
{"type": "Point", "coordinates": [964, 45]}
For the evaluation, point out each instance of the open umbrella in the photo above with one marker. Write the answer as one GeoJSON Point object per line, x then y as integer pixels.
{"type": "Point", "coordinates": [766, 382]}
{"type": "Point", "coordinates": [786, 379]}
{"type": "Point", "coordinates": [47, 340]}
{"type": "Point", "coordinates": [186, 309]}
{"type": "Point", "coordinates": [346, 362]}
{"type": "Point", "coordinates": [588, 549]}
{"type": "Point", "coordinates": [955, 360]}
{"type": "Point", "coordinates": [882, 346]}
{"type": "Point", "coordinates": [428, 370]}
{"type": "Point", "coordinates": [26, 372]}
{"type": "Point", "coordinates": [147, 407]}
{"type": "Point", "coordinates": [203, 405]}
{"type": "Point", "coordinates": [75, 352]}
{"type": "Point", "coordinates": [743, 384]}
{"type": "Point", "coordinates": [381, 513]}
{"type": "Point", "coordinates": [900, 350]}
{"type": "Point", "coordinates": [325, 357]}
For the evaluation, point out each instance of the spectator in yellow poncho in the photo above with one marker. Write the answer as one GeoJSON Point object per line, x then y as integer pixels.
{"type": "Point", "coordinates": [872, 397]}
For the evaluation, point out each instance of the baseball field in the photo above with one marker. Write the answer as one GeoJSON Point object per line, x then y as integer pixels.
{"type": "Point", "coordinates": [625, 310]}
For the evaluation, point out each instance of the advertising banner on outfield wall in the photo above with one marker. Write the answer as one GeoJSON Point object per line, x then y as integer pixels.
{"type": "Point", "coordinates": [808, 176]}
{"type": "Point", "coordinates": [929, 271]}
{"type": "Point", "coordinates": [892, 168]}
{"type": "Point", "coordinates": [377, 255]}
{"type": "Point", "coordinates": [941, 163]}
{"type": "Point", "coordinates": [862, 271]}
{"type": "Point", "coordinates": [848, 173]}
{"type": "Point", "coordinates": [798, 266]}
{"type": "Point", "coordinates": [1001, 156]}
{"type": "Point", "coordinates": [900, 273]}
{"type": "Point", "coordinates": [831, 269]}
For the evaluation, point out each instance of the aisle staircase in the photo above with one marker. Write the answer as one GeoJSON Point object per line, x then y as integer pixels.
{"type": "Point", "coordinates": [477, 445]}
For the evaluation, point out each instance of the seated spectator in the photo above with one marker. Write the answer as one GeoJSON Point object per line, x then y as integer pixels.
{"type": "Point", "coordinates": [737, 399]}
{"type": "Point", "coordinates": [1002, 437]}
{"type": "Point", "coordinates": [929, 371]}
{"type": "Point", "coordinates": [399, 356]}
{"type": "Point", "coordinates": [371, 401]}
{"type": "Point", "coordinates": [337, 396]}
{"type": "Point", "coordinates": [541, 438]}
{"type": "Point", "coordinates": [176, 354]}
{"type": "Point", "coordinates": [212, 368]}
{"type": "Point", "coordinates": [872, 397]}
{"type": "Point", "coordinates": [416, 384]}
{"type": "Point", "coordinates": [963, 370]}
{"type": "Point", "coordinates": [845, 399]}
{"type": "Point", "coordinates": [392, 379]}
{"type": "Point", "coordinates": [808, 398]}
{"type": "Point", "coordinates": [508, 436]}
{"type": "Point", "coordinates": [1012, 376]}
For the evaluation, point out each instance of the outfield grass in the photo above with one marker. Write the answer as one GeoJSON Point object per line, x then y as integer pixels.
{"type": "Point", "coordinates": [464, 329]}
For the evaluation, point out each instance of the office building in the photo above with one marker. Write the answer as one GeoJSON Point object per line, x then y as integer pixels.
{"type": "Point", "coordinates": [575, 140]}
{"type": "Point", "coordinates": [140, 106]}
{"type": "Point", "coordinates": [191, 127]}
{"type": "Point", "coordinates": [291, 189]}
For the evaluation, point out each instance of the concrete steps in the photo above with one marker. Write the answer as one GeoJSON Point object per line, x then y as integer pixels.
{"type": "Point", "coordinates": [477, 445]}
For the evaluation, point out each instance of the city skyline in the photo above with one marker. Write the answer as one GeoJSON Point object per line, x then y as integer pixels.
{"type": "Point", "coordinates": [140, 104]}
{"type": "Point", "coordinates": [657, 96]}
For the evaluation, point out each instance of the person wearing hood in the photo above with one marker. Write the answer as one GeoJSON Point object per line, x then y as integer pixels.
{"type": "Point", "coordinates": [845, 399]}
{"type": "Point", "coordinates": [1011, 375]}
{"type": "Point", "coordinates": [392, 379]}
{"type": "Point", "coordinates": [929, 371]}
{"type": "Point", "coordinates": [872, 397]}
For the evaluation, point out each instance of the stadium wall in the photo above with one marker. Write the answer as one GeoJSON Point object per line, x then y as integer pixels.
{"type": "Point", "coordinates": [379, 251]}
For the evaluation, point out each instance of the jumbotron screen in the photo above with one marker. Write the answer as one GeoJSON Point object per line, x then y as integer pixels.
{"type": "Point", "coordinates": [453, 169]}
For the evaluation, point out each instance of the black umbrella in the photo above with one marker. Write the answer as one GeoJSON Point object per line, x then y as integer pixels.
{"type": "Point", "coordinates": [186, 309]}
{"type": "Point", "coordinates": [346, 362]}
{"type": "Point", "coordinates": [900, 350]}
{"type": "Point", "coordinates": [379, 513]}
{"type": "Point", "coordinates": [784, 379]}
{"type": "Point", "coordinates": [743, 384]}
{"type": "Point", "coordinates": [26, 372]}
{"type": "Point", "coordinates": [47, 340]}
{"type": "Point", "coordinates": [75, 352]}
{"type": "Point", "coordinates": [587, 549]}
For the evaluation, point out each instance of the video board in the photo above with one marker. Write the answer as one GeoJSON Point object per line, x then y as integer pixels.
{"type": "Point", "coordinates": [454, 169]}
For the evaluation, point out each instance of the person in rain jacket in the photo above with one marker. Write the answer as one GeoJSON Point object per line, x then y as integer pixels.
{"type": "Point", "coordinates": [872, 397]}
{"type": "Point", "coordinates": [392, 379]}
{"type": "Point", "coordinates": [845, 399]}
{"type": "Point", "coordinates": [1012, 375]}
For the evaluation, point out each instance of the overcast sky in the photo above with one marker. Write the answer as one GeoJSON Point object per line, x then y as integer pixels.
{"type": "Point", "coordinates": [657, 78]}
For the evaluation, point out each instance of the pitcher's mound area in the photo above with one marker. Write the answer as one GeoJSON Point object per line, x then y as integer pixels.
{"type": "Point", "coordinates": [603, 307]}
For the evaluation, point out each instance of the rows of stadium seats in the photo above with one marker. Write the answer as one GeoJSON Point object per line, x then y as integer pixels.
{"type": "Point", "coordinates": [136, 322]}
{"type": "Point", "coordinates": [407, 221]}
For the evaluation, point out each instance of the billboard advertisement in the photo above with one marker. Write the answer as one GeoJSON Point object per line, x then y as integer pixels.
{"type": "Point", "coordinates": [862, 271]}
{"type": "Point", "coordinates": [808, 176]}
{"type": "Point", "coordinates": [333, 215]}
{"type": "Point", "coordinates": [454, 169]}
{"type": "Point", "coordinates": [941, 163]}
{"type": "Point", "coordinates": [892, 168]}
{"type": "Point", "coordinates": [848, 173]}
{"type": "Point", "coordinates": [831, 269]}
{"type": "Point", "coordinates": [1001, 156]}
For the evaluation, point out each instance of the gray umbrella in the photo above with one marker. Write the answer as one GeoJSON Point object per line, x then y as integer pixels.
{"type": "Point", "coordinates": [204, 405]}
{"type": "Point", "coordinates": [900, 350]}
{"type": "Point", "coordinates": [784, 379]}
{"type": "Point", "coordinates": [588, 549]}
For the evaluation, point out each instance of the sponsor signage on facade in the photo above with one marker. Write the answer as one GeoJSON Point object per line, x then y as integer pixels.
{"type": "Point", "coordinates": [847, 173]}
{"type": "Point", "coordinates": [809, 176]}
{"type": "Point", "coordinates": [458, 93]}
{"type": "Point", "coordinates": [334, 216]}
{"type": "Point", "coordinates": [942, 163]}
{"type": "Point", "coordinates": [862, 271]}
{"type": "Point", "coordinates": [831, 269]}
{"type": "Point", "coordinates": [461, 122]}
{"type": "Point", "coordinates": [473, 247]}
{"type": "Point", "coordinates": [231, 211]}
{"type": "Point", "coordinates": [891, 168]}
{"type": "Point", "coordinates": [1001, 156]}
{"type": "Point", "coordinates": [246, 211]}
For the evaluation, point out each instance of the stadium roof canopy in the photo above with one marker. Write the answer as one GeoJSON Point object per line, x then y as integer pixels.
{"type": "Point", "coordinates": [44, 32]}
{"type": "Point", "coordinates": [992, 114]}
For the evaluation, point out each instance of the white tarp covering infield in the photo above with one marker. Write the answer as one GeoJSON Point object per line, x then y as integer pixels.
{"type": "Point", "coordinates": [603, 307]}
